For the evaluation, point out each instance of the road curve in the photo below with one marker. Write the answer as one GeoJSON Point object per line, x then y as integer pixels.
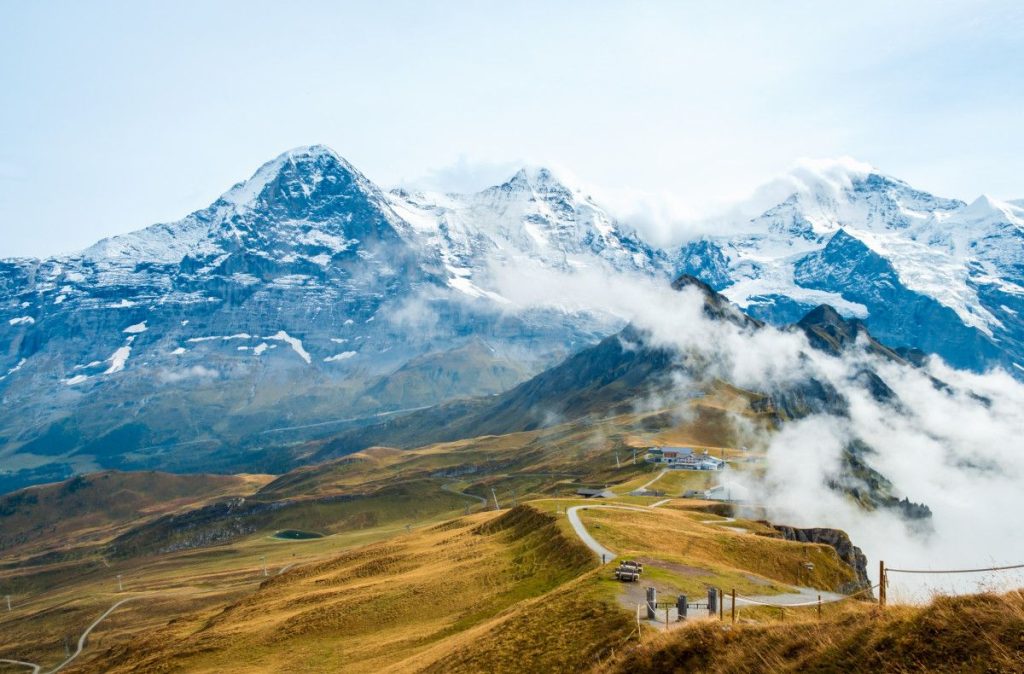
{"type": "Point", "coordinates": [85, 635]}
{"type": "Point", "coordinates": [448, 488]}
{"type": "Point", "coordinates": [652, 480]}
{"type": "Point", "coordinates": [31, 665]}
{"type": "Point", "coordinates": [604, 553]}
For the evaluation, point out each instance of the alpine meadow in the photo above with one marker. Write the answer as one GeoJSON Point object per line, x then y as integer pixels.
{"type": "Point", "coordinates": [563, 350]}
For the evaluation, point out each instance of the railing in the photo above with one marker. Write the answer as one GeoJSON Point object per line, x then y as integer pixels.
{"type": "Point", "coordinates": [883, 575]}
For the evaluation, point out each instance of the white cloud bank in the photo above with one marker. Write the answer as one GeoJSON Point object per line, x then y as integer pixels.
{"type": "Point", "coordinates": [959, 450]}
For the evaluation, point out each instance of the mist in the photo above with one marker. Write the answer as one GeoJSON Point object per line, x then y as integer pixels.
{"type": "Point", "coordinates": [955, 446]}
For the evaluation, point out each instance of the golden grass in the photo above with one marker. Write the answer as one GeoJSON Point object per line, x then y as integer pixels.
{"type": "Point", "coordinates": [372, 607]}
{"type": "Point", "coordinates": [725, 558]}
{"type": "Point", "coordinates": [980, 633]}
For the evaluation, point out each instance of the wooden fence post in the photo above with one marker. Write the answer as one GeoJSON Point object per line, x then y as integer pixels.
{"type": "Point", "coordinates": [734, 606]}
{"type": "Point", "coordinates": [881, 584]}
{"type": "Point", "coordinates": [721, 605]}
{"type": "Point", "coordinates": [819, 607]}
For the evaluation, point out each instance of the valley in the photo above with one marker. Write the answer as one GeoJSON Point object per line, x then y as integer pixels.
{"type": "Point", "coordinates": [318, 355]}
{"type": "Point", "coordinates": [398, 560]}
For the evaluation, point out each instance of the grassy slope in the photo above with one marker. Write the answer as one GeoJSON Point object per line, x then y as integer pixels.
{"type": "Point", "coordinates": [95, 507]}
{"type": "Point", "coordinates": [981, 633]}
{"type": "Point", "coordinates": [458, 595]}
{"type": "Point", "coordinates": [392, 602]}
{"type": "Point", "coordinates": [687, 555]}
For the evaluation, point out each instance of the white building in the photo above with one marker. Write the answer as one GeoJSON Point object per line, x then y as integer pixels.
{"type": "Point", "coordinates": [684, 458]}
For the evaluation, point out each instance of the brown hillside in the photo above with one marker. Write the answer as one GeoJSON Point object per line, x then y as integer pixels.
{"type": "Point", "coordinates": [94, 507]}
{"type": "Point", "coordinates": [982, 633]}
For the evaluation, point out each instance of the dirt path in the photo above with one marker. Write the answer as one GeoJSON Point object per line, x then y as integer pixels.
{"type": "Point", "coordinates": [604, 553]}
{"type": "Point", "coordinates": [803, 595]}
{"type": "Point", "coordinates": [85, 635]}
{"type": "Point", "coordinates": [37, 669]}
{"type": "Point", "coordinates": [448, 488]}
{"type": "Point", "coordinates": [652, 480]}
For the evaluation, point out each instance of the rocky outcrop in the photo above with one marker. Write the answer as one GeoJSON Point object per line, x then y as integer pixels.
{"type": "Point", "coordinates": [840, 542]}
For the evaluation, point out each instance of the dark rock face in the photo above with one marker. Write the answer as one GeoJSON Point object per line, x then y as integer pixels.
{"type": "Point", "coordinates": [716, 306]}
{"type": "Point", "coordinates": [297, 298]}
{"type": "Point", "coordinates": [705, 260]}
{"type": "Point", "coordinates": [841, 543]}
{"type": "Point", "coordinates": [898, 315]}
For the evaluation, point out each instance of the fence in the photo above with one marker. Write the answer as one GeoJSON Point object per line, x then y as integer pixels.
{"type": "Point", "coordinates": [883, 575]}
{"type": "Point", "coordinates": [716, 597]}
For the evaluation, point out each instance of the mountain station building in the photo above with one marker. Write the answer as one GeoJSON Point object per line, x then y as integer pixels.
{"type": "Point", "coordinates": [684, 458]}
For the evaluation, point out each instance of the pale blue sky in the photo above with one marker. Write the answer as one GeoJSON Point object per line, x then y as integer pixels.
{"type": "Point", "coordinates": [118, 115]}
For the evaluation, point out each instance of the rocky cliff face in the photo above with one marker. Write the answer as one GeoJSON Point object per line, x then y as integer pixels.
{"type": "Point", "coordinates": [299, 303]}
{"type": "Point", "coordinates": [921, 271]}
{"type": "Point", "coordinates": [306, 300]}
{"type": "Point", "coordinates": [841, 543]}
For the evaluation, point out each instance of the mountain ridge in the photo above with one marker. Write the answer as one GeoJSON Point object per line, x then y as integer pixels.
{"type": "Point", "coordinates": [292, 299]}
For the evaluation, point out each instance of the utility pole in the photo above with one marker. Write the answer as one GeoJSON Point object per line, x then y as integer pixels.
{"type": "Point", "coordinates": [634, 456]}
{"type": "Point", "coordinates": [263, 559]}
{"type": "Point", "coordinates": [496, 506]}
{"type": "Point", "coordinates": [8, 597]}
{"type": "Point", "coordinates": [514, 502]}
{"type": "Point", "coordinates": [120, 588]}
{"type": "Point", "coordinates": [617, 464]}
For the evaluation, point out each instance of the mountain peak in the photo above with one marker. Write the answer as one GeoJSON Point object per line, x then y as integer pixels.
{"type": "Point", "coordinates": [298, 172]}
{"type": "Point", "coordinates": [537, 178]}
{"type": "Point", "coordinates": [986, 208]}
{"type": "Point", "coordinates": [716, 305]}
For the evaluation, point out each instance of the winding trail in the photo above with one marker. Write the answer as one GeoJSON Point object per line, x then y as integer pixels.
{"type": "Point", "coordinates": [37, 669]}
{"type": "Point", "coordinates": [85, 635]}
{"type": "Point", "coordinates": [652, 480]}
{"type": "Point", "coordinates": [801, 596]}
{"type": "Point", "coordinates": [604, 553]}
{"type": "Point", "coordinates": [347, 420]}
{"type": "Point", "coordinates": [448, 488]}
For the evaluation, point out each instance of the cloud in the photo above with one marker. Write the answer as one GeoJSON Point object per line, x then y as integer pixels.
{"type": "Point", "coordinates": [465, 175]}
{"type": "Point", "coordinates": [958, 449]}
{"type": "Point", "coordinates": [193, 372]}
{"type": "Point", "coordinates": [666, 220]}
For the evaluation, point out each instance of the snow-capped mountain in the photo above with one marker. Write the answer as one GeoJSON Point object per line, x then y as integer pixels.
{"type": "Point", "coordinates": [302, 300]}
{"type": "Point", "coordinates": [534, 218]}
{"type": "Point", "coordinates": [925, 272]}
{"type": "Point", "coordinates": [306, 300]}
